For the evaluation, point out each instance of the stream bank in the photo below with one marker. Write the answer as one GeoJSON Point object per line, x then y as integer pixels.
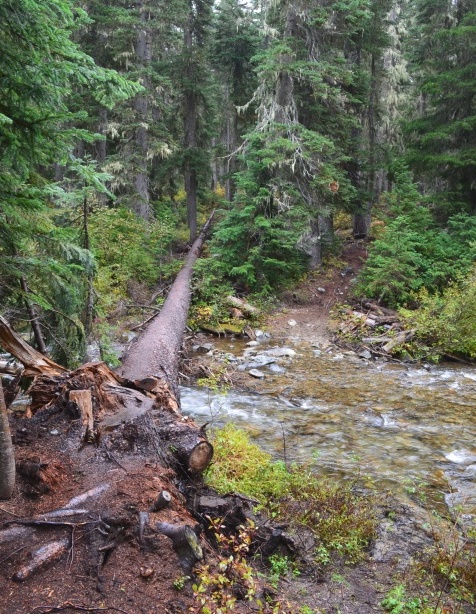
{"type": "Point", "coordinates": [406, 431]}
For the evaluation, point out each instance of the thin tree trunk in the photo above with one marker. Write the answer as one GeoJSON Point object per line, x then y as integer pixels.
{"type": "Point", "coordinates": [190, 134]}
{"type": "Point", "coordinates": [35, 324]}
{"type": "Point", "coordinates": [88, 319]}
{"type": "Point", "coordinates": [7, 457]}
{"type": "Point", "coordinates": [141, 199]}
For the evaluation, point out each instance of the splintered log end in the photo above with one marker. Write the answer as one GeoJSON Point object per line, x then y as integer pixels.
{"type": "Point", "coordinates": [200, 457]}
{"type": "Point", "coordinates": [83, 400]}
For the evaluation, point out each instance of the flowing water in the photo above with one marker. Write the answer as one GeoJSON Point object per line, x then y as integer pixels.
{"type": "Point", "coordinates": [404, 428]}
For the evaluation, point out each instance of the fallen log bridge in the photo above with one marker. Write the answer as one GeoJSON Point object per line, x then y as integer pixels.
{"type": "Point", "coordinates": [138, 408]}
{"type": "Point", "coordinates": [97, 449]}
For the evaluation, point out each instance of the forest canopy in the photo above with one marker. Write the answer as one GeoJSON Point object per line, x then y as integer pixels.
{"type": "Point", "coordinates": [306, 123]}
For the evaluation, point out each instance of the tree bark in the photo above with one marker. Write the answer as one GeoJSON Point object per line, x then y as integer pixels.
{"type": "Point", "coordinates": [190, 133]}
{"type": "Point", "coordinates": [141, 199]}
{"type": "Point", "coordinates": [7, 456]}
{"type": "Point", "coordinates": [156, 352]}
{"type": "Point", "coordinates": [35, 324]}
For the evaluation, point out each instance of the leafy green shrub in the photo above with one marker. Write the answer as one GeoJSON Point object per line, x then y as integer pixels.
{"type": "Point", "coordinates": [447, 321]}
{"type": "Point", "coordinates": [398, 602]}
{"type": "Point", "coordinates": [126, 248]}
{"type": "Point", "coordinates": [412, 253]}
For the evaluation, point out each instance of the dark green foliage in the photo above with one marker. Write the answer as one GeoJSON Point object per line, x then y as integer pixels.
{"type": "Point", "coordinates": [413, 252]}
{"type": "Point", "coordinates": [41, 69]}
{"type": "Point", "coordinates": [447, 322]}
{"type": "Point", "coordinates": [442, 135]}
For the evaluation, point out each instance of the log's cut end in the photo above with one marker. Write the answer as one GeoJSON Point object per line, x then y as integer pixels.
{"type": "Point", "coordinates": [200, 457]}
{"type": "Point", "coordinates": [185, 541]}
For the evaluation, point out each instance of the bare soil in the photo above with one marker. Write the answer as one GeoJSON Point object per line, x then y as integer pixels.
{"type": "Point", "coordinates": [310, 303]}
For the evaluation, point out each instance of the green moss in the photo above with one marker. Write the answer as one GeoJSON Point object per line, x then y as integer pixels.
{"type": "Point", "coordinates": [342, 522]}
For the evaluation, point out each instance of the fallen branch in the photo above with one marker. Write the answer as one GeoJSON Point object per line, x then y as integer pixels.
{"type": "Point", "coordinates": [68, 605]}
{"type": "Point", "coordinates": [34, 362]}
{"type": "Point", "coordinates": [47, 554]}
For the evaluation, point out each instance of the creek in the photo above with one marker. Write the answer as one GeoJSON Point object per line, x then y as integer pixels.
{"type": "Point", "coordinates": [406, 429]}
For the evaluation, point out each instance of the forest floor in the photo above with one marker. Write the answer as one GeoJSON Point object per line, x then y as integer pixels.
{"type": "Point", "coordinates": [109, 567]}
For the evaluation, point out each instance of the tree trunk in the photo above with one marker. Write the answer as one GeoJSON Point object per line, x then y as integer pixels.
{"type": "Point", "coordinates": [156, 352]}
{"type": "Point", "coordinates": [7, 457]}
{"type": "Point", "coordinates": [142, 407]}
{"type": "Point", "coordinates": [34, 321]}
{"type": "Point", "coordinates": [141, 200]}
{"type": "Point", "coordinates": [190, 133]}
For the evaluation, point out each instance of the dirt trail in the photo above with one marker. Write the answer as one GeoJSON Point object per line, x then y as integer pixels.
{"type": "Point", "coordinates": [305, 312]}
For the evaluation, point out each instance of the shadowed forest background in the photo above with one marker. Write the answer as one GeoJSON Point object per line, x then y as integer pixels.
{"type": "Point", "coordinates": [305, 123]}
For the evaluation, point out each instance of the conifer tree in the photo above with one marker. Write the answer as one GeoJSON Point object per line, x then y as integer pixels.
{"type": "Point", "coordinates": [42, 71]}
{"type": "Point", "coordinates": [442, 136]}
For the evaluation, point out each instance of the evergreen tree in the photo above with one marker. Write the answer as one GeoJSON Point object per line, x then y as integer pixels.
{"type": "Point", "coordinates": [42, 71]}
{"type": "Point", "coordinates": [236, 40]}
{"type": "Point", "coordinates": [442, 136]}
{"type": "Point", "coordinates": [296, 157]}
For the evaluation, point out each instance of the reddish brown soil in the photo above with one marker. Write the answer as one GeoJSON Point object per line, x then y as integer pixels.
{"type": "Point", "coordinates": [73, 583]}
{"type": "Point", "coordinates": [308, 306]}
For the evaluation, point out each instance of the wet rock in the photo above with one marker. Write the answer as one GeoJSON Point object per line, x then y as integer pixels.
{"type": "Point", "coordinates": [274, 368]}
{"type": "Point", "coordinates": [292, 323]}
{"type": "Point", "coordinates": [203, 348]}
{"type": "Point", "coordinates": [280, 352]}
{"type": "Point", "coordinates": [252, 344]}
{"type": "Point", "coordinates": [230, 358]}
{"type": "Point", "coordinates": [321, 290]}
{"type": "Point", "coordinates": [365, 354]}
{"type": "Point", "coordinates": [257, 374]}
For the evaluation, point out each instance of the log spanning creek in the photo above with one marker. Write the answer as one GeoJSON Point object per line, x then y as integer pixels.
{"type": "Point", "coordinates": [406, 429]}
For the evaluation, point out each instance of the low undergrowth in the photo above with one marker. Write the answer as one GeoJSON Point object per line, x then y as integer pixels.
{"type": "Point", "coordinates": [342, 522]}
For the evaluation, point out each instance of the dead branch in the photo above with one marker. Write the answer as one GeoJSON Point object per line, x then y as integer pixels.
{"type": "Point", "coordinates": [34, 362]}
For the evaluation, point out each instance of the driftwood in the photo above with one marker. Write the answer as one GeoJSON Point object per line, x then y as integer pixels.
{"type": "Point", "coordinates": [45, 555]}
{"type": "Point", "coordinates": [242, 305]}
{"type": "Point", "coordinates": [387, 333]}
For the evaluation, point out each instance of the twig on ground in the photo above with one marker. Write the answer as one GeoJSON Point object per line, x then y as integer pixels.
{"type": "Point", "coordinates": [67, 605]}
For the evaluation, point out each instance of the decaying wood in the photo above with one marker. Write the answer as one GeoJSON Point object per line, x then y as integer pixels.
{"type": "Point", "coordinates": [185, 541]}
{"type": "Point", "coordinates": [187, 445]}
{"type": "Point", "coordinates": [47, 554]}
{"type": "Point", "coordinates": [163, 500]}
{"type": "Point", "coordinates": [34, 362]}
{"type": "Point", "coordinates": [83, 400]}
{"type": "Point", "coordinates": [242, 305]}
{"type": "Point", "coordinates": [359, 322]}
